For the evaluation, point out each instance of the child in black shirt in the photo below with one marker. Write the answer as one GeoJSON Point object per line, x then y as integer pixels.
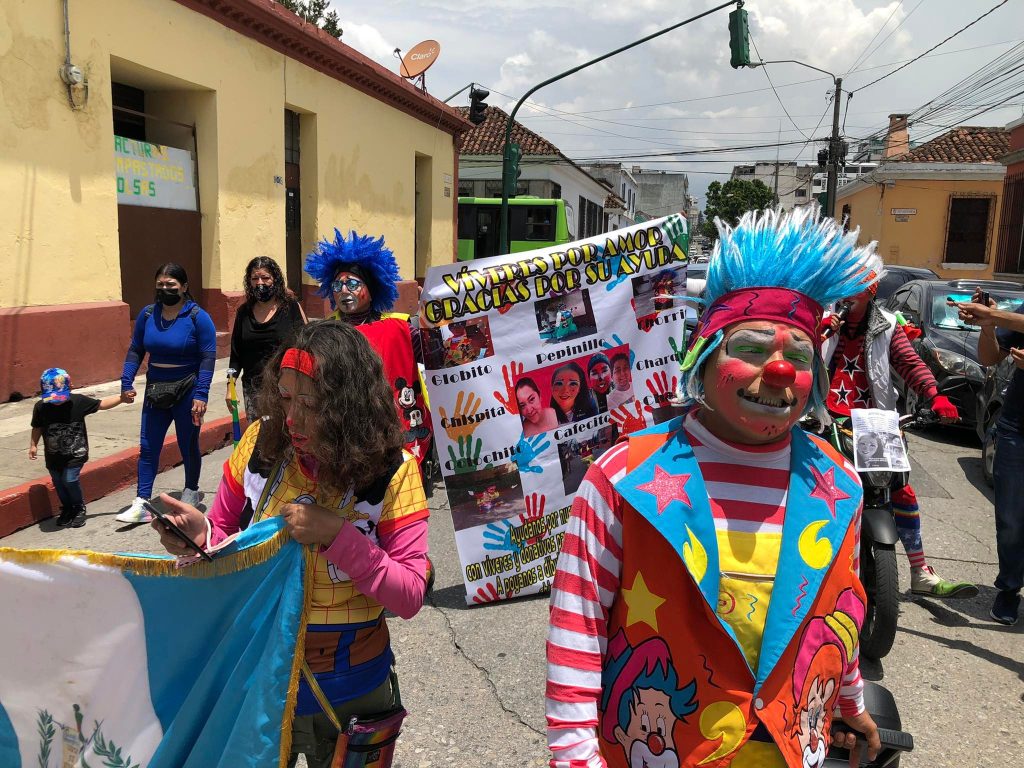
{"type": "Point", "coordinates": [59, 418]}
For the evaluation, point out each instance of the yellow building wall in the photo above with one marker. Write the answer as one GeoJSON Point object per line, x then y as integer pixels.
{"type": "Point", "coordinates": [920, 241]}
{"type": "Point", "coordinates": [57, 165]}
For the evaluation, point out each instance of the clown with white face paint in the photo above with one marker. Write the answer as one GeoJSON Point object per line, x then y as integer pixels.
{"type": "Point", "coordinates": [359, 276]}
{"type": "Point", "coordinates": [727, 535]}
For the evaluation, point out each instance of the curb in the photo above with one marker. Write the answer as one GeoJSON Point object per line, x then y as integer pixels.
{"type": "Point", "coordinates": [35, 500]}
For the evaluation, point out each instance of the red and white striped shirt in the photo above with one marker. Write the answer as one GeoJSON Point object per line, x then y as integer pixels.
{"type": "Point", "coordinates": [589, 567]}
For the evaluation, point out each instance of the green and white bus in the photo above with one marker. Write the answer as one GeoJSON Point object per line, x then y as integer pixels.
{"type": "Point", "coordinates": [532, 223]}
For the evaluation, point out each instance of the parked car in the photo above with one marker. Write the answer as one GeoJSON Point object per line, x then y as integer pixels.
{"type": "Point", "coordinates": [990, 401]}
{"type": "Point", "coordinates": [947, 346]}
{"type": "Point", "coordinates": [897, 275]}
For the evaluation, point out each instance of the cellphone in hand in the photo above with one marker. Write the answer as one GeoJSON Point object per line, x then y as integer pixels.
{"type": "Point", "coordinates": [171, 526]}
{"type": "Point", "coordinates": [983, 298]}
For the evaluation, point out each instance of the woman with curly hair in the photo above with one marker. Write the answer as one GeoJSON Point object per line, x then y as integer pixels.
{"type": "Point", "coordinates": [269, 318]}
{"type": "Point", "coordinates": [328, 458]}
{"type": "Point", "coordinates": [359, 276]}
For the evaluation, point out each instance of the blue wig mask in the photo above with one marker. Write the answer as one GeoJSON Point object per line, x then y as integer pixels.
{"type": "Point", "coordinates": [373, 258]}
{"type": "Point", "coordinates": [797, 251]}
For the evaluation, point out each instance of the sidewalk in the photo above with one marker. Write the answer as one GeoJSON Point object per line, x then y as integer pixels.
{"type": "Point", "coordinates": [27, 494]}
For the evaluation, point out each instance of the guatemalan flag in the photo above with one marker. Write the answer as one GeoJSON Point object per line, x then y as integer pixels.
{"type": "Point", "coordinates": [129, 661]}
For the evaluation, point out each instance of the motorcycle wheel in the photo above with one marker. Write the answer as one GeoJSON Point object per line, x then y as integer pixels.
{"type": "Point", "coordinates": [881, 582]}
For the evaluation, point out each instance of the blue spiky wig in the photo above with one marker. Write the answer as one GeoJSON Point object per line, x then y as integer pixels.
{"type": "Point", "coordinates": [372, 259]}
{"type": "Point", "coordinates": [800, 252]}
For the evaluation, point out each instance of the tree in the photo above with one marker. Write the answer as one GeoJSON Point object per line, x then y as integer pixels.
{"type": "Point", "coordinates": [731, 200]}
{"type": "Point", "coordinates": [315, 12]}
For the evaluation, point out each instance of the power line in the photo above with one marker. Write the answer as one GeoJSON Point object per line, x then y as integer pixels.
{"type": "Point", "coordinates": [962, 29]}
{"type": "Point", "coordinates": [893, 32]}
{"type": "Point", "coordinates": [856, 61]}
{"type": "Point", "coordinates": [777, 97]}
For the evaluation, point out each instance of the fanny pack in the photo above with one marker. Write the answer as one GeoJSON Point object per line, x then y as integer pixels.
{"type": "Point", "coordinates": [363, 742]}
{"type": "Point", "coordinates": [167, 394]}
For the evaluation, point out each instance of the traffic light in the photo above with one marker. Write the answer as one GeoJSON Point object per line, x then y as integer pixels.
{"type": "Point", "coordinates": [511, 171]}
{"type": "Point", "coordinates": [477, 105]}
{"type": "Point", "coordinates": [739, 39]}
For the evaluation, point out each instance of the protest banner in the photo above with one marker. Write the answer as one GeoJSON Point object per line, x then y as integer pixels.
{"type": "Point", "coordinates": [132, 661]}
{"type": "Point", "coordinates": [536, 363]}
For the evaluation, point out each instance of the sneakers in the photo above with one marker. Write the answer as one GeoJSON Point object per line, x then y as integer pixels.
{"type": "Point", "coordinates": [79, 518]}
{"type": "Point", "coordinates": [1006, 607]}
{"type": "Point", "coordinates": [925, 581]}
{"type": "Point", "coordinates": [136, 513]}
{"type": "Point", "coordinates": [67, 514]}
{"type": "Point", "coordinates": [191, 496]}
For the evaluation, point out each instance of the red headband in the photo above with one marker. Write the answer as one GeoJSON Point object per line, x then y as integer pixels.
{"type": "Point", "coordinates": [780, 305]}
{"type": "Point", "coordinates": [299, 360]}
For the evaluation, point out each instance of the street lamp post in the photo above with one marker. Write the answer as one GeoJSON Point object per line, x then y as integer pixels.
{"type": "Point", "coordinates": [836, 153]}
{"type": "Point", "coordinates": [511, 154]}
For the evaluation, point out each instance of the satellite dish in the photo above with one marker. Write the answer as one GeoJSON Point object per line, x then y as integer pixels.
{"type": "Point", "coordinates": [419, 58]}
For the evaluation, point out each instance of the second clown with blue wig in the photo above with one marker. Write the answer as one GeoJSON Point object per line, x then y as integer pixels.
{"type": "Point", "coordinates": [358, 274]}
{"type": "Point", "coordinates": [727, 536]}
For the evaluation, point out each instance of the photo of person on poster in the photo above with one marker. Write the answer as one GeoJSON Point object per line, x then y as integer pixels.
{"type": "Point", "coordinates": [599, 374]}
{"type": "Point", "coordinates": [622, 378]}
{"type": "Point", "coordinates": [537, 417]}
{"type": "Point", "coordinates": [570, 394]}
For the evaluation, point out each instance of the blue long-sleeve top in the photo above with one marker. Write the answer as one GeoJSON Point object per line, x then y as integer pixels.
{"type": "Point", "coordinates": [188, 343]}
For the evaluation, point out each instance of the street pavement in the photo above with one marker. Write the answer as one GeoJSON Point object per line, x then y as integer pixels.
{"type": "Point", "coordinates": [473, 678]}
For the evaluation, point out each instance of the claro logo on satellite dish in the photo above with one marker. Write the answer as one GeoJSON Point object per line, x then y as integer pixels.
{"type": "Point", "coordinates": [419, 58]}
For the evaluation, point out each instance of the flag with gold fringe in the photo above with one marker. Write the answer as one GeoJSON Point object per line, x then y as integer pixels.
{"type": "Point", "coordinates": [128, 661]}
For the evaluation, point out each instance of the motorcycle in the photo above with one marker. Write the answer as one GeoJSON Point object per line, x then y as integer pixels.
{"type": "Point", "coordinates": [878, 538]}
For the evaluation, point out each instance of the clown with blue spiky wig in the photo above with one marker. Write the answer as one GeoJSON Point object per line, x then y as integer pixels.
{"type": "Point", "coordinates": [726, 533]}
{"type": "Point", "coordinates": [358, 274]}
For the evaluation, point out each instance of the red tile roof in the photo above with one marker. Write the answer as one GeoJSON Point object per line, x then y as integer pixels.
{"type": "Point", "coordinates": [488, 138]}
{"type": "Point", "coordinates": [965, 144]}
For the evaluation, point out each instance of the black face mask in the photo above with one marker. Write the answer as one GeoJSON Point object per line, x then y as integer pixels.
{"type": "Point", "coordinates": [167, 297]}
{"type": "Point", "coordinates": [263, 292]}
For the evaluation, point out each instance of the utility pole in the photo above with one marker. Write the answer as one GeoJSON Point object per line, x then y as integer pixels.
{"type": "Point", "coordinates": [778, 140]}
{"type": "Point", "coordinates": [836, 146]}
{"type": "Point", "coordinates": [513, 153]}
{"type": "Point", "coordinates": [836, 155]}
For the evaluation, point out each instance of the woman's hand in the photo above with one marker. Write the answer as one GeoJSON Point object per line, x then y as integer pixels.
{"type": "Point", "coordinates": [312, 524]}
{"type": "Point", "coordinates": [189, 519]}
{"type": "Point", "coordinates": [128, 396]}
{"type": "Point", "coordinates": [198, 411]}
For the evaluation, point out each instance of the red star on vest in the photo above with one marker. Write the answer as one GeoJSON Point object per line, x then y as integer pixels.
{"type": "Point", "coordinates": [826, 490]}
{"type": "Point", "coordinates": [666, 488]}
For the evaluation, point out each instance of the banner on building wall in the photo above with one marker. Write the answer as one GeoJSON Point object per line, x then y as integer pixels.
{"type": "Point", "coordinates": [153, 175]}
{"type": "Point", "coordinates": [536, 363]}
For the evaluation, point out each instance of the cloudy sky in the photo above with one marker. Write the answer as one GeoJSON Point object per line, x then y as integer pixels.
{"type": "Point", "coordinates": [679, 92]}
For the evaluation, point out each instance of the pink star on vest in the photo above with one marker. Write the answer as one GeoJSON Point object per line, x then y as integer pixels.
{"type": "Point", "coordinates": [826, 490]}
{"type": "Point", "coordinates": [666, 488]}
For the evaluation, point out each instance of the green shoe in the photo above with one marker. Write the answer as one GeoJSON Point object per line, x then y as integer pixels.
{"type": "Point", "coordinates": [925, 581]}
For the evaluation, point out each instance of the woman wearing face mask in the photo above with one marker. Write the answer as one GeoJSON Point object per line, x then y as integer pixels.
{"type": "Point", "coordinates": [181, 342]}
{"type": "Point", "coordinates": [570, 396]}
{"type": "Point", "coordinates": [269, 318]}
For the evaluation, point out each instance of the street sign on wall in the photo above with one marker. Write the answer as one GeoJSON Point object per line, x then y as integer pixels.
{"type": "Point", "coordinates": [153, 175]}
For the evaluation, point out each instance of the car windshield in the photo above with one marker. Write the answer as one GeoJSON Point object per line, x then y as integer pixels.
{"type": "Point", "coordinates": [946, 317]}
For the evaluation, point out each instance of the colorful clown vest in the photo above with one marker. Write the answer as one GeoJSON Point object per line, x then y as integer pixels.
{"type": "Point", "coordinates": [677, 689]}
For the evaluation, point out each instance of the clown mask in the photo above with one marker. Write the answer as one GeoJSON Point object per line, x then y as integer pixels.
{"type": "Point", "coordinates": [351, 293]}
{"type": "Point", "coordinates": [758, 381]}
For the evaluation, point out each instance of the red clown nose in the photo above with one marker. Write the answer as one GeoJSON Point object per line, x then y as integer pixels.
{"type": "Point", "coordinates": [655, 743]}
{"type": "Point", "coordinates": [779, 374]}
